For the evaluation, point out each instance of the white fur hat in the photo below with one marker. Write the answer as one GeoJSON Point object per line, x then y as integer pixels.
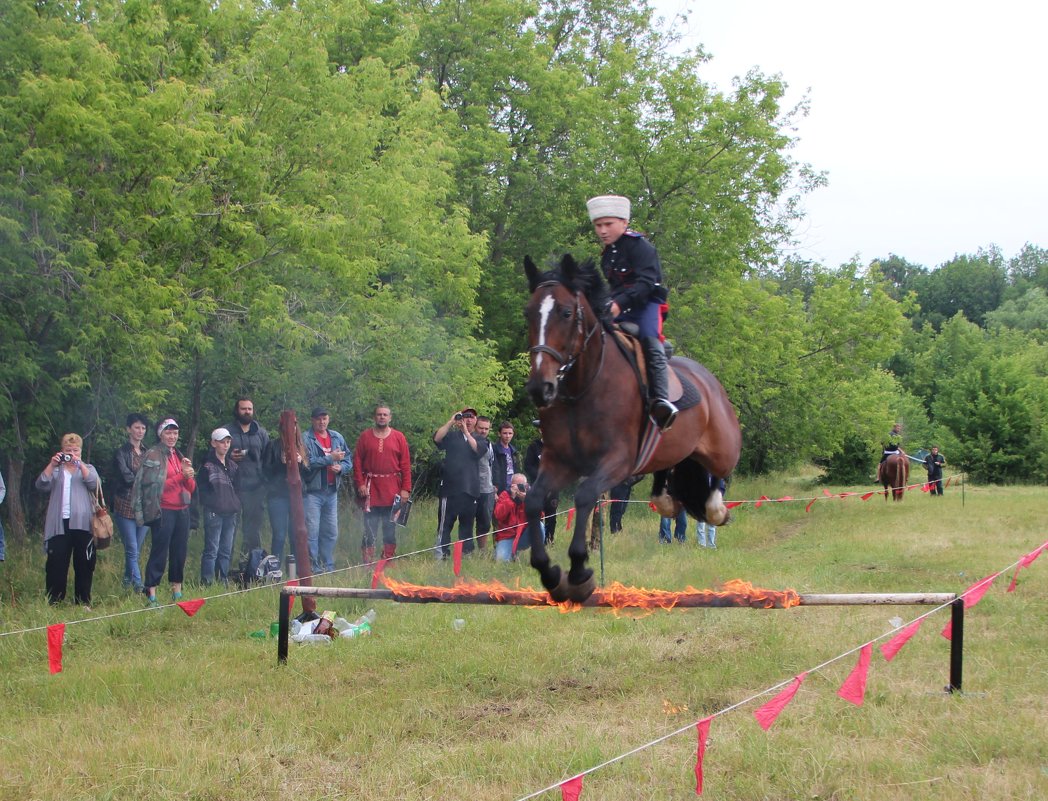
{"type": "Point", "coordinates": [608, 206]}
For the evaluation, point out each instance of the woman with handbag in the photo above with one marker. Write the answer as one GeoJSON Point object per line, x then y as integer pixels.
{"type": "Point", "coordinates": [160, 497]}
{"type": "Point", "coordinates": [67, 528]}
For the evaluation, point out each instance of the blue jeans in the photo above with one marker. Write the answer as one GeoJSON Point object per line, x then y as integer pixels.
{"type": "Point", "coordinates": [219, 533]}
{"type": "Point", "coordinates": [132, 535]}
{"type": "Point", "coordinates": [504, 550]}
{"type": "Point", "coordinates": [322, 526]}
{"type": "Point", "coordinates": [707, 535]}
{"type": "Point", "coordinates": [680, 529]}
{"type": "Point", "coordinates": [279, 523]}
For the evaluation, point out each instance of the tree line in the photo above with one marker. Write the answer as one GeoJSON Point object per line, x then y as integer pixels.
{"type": "Point", "coordinates": [328, 202]}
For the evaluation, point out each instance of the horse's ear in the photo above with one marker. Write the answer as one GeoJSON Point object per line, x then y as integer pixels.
{"type": "Point", "coordinates": [532, 272]}
{"type": "Point", "coordinates": [568, 268]}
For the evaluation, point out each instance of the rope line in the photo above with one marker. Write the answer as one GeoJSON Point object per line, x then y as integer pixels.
{"type": "Point", "coordinates": [691, 726]}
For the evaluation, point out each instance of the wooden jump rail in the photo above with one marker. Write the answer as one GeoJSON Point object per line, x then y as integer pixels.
{"type": "Point", "coordinates": [682, 601]}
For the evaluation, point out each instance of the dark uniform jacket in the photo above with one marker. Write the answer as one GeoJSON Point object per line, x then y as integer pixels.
{"type": "Point", "coordinates": [631, 265]}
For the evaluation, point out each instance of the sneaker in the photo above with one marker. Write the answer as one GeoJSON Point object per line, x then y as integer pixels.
{"type": "Point", "coordinates": [176, 596]}
{"type": "Point", "coordinates": [152, 602]}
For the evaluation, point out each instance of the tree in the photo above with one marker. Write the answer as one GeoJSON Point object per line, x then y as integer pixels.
{"type": "Point", "coordinates": [971, 284]}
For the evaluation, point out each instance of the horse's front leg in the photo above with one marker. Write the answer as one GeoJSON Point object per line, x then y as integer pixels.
{"type": "Point", "coordinates": [534, 503]}
{"type": "Point", "coordinates": [581, 582]}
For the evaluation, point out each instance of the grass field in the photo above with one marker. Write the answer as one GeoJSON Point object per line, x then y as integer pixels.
{"type": "Point", "coordinates": [155, 705]}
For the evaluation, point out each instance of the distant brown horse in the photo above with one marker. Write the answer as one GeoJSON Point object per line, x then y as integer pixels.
{"type": "Point", "coordinates": [894, 473]}
{"type": "Point", "coordinates": [594, 418]}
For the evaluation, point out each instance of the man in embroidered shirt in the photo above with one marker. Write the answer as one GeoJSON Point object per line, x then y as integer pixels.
{"type": "Point", "coordinates": [381, 472]}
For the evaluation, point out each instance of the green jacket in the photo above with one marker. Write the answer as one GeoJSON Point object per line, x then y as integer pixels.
{"type": "Point", "coordinates": [149, 484]}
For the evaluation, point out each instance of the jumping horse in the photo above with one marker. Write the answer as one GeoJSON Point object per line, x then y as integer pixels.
{"type": "Point", "coordinates": [894, 473]}
{"type": "Point", "coordinates": [595, 425]}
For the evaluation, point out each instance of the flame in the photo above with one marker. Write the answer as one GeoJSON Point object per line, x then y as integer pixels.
{"type": "Point", "coordinates": [672, 709]}
{"type": "Point", "coordinates": [617, 596]}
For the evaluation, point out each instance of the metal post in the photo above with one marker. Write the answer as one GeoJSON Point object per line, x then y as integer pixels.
{"type": "Point", "coordinates": [600, 527]}
{"type": "Point", "coordinates": [956, 645]}
{"type": "Point", "coordinates": [284, 618]}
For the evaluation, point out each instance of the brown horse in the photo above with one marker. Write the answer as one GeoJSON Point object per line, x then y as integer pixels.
{"type": "Point", "coordinates": [894, 473]}
{"type": "Point", "coordinates": [594, 419]}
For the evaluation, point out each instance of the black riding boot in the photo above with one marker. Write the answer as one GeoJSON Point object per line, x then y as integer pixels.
{"type": "Point", "coordinates": [662, 410]}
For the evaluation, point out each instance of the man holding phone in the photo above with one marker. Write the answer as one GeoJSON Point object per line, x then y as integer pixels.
{"type": "Point", "coordinates": [329, 463]}
{"type": "Point", "coordinates": [459, 479]}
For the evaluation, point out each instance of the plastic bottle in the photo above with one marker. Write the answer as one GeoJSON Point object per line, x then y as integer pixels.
{"type": "Point", "coordinates": [361, 627]}
{"type": "Point", "coordinates": [304, 633]}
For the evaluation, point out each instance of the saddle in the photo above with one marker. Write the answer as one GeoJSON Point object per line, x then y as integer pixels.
{"type": "Point", "coordinates": [682, 393]}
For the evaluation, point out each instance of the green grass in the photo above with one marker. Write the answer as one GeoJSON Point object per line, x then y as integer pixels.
{"type": "Point", "coordinates": [160, 706]}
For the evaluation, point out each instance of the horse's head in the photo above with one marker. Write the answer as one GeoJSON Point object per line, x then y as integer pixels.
{"type": "Point", "coordinates": [561, 320]}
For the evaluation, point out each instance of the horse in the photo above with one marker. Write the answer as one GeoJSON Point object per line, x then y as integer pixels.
{"type": "Point", "coordinates": [595, 425]}
{"type": "Point", "coordinates": [893, 473]}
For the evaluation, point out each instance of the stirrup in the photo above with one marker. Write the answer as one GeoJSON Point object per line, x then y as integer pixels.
{"type": "Point", "coordinates": [664, 413]}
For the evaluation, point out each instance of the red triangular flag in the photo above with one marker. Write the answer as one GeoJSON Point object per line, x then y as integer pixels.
{"type": "Point", "coordinates": [891, 648]}
{"type": "Point", "coordinates": [975, 593]}
{"type": "Point", "coordinates": [810, 503]}
{"type": "Point", "coordinates": [653, 507]}
{"type": "Point", "coordinates": [379, 567]}
{"type": "Point", "coordinates": [732, 504]}
{"type": "Point", "coordinates": [1026, 561]}
{"type": "Point", "coordinates": [703, 728]}
{"type": "Point", "coordinates": [190, 607]}
{"type": "Point", "coordinates": [571, 517]}
{"type": "Point", "coordinates": [784, 498]}
{"type": "Point", "coordinates": [55, 635]}
{"type": "Point", "coordinates": [571, 790]}
{"type": "Point", "coordinates": [456, 557]}
{"type": "Point", "coordinates": [971, 596]}
{"type": "Point", "coordinates": [766, 714]}
{"type": "Point", "coordinates": [827, 493]}
{"type": "Point", "coordinates": [854, 688]}
{"type": "Point", "coordinates": [868, 495]}
{"type": "Point", "coordinates": [763, 498]}
{"type": "Point", "coordinates": [948, 481]}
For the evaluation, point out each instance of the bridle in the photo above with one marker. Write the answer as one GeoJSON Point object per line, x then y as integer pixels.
{"type": "Point", "coordinates": [580, 335]}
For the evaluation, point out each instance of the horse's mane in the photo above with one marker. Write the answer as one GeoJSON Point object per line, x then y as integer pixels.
{"type": "Point", "coordinates": [582, 277]}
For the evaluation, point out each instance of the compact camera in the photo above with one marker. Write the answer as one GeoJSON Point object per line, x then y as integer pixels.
{"type": "Point", "coordinates": [65, 457]}
{"type": "Point", "coordinates": [522, 488]}
{"type": "Point", "coordinates": [458, 416]}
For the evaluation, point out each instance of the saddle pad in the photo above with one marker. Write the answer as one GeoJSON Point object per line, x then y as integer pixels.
{"type": "Point", "coordinates": [689, 392]}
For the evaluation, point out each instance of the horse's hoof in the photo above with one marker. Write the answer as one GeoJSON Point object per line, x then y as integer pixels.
{"type": "Point", "coordinates": [718, 517]}
{"type": "Point", "coordinates": [580, 592]}
{"type": "Point", "coordinates": [560, 587]}
{"type": "Point", "coordinates": [562, 592]}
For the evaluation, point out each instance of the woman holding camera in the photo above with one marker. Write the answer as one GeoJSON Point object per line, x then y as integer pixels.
{"type": "Point", "coordinates": [160, 497]}
{"type": "Point", "coordinates": [67, 528]}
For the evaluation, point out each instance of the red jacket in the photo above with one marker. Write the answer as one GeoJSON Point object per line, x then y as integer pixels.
{"type": "Point", "coordinates": [509, 514]}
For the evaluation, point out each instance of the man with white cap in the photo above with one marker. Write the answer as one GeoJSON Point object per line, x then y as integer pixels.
{"type": "Point", "coordinates": [217, 485]}
{"type": "Point", "coordinates": [631, 265]}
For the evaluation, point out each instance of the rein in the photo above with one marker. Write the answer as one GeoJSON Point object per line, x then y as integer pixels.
{"type": "Point", "coordinates": [568, 362]}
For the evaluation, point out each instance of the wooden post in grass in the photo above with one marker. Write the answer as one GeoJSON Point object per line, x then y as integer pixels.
{"type": "Point", "coordinates": [290, 437]}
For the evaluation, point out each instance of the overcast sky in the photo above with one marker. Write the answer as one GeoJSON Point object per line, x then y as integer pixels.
{"type": "Point", "coordinates": [929, 117]}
